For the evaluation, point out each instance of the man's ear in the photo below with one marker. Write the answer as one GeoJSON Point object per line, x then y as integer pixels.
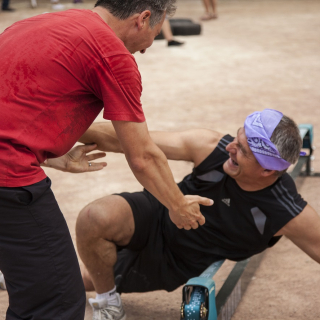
{"type": "Point", "coordinates": [267, 173]}
{"type": "Point", "coordinates": [144, 19]}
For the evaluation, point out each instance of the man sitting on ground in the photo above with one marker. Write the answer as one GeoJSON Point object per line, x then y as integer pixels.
{"type": "Point", "coordinates": [128, 240]}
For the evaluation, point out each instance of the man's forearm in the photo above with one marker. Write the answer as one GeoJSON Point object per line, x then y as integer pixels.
{"type": "Point", "coordinates": [104, 136]}
{"type": "Point", "coordinates": [153, 172]}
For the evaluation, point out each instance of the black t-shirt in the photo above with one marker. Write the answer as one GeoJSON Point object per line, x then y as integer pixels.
{"type": "Point", "coordinates": [240, 223]}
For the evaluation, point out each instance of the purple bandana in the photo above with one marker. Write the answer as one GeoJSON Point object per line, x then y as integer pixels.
{"type": "Point", "coordinates": [259, 127]}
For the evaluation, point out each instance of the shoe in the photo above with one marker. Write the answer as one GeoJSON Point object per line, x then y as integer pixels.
{"type": "Point", "coordinates": [8, 9]}
{"type": "Point", "coordinates": [175, 43]}
{"type": "Point", "coordinates": [103, 311]}
{"type": "Point", "coordinates": [2, 282]}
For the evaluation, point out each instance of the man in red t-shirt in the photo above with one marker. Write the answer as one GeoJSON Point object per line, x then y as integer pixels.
{"type": "Point", "coordinates": [58, 71]}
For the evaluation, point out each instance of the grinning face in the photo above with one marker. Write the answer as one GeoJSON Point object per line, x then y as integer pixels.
{"type": "Point", "coordinates": [242, 165]}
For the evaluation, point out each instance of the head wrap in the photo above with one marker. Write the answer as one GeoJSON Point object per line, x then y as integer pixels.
{"type": "Point", "coordinates": [259, 127]}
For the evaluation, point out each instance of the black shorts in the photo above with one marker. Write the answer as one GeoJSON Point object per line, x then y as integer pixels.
{"type": "Point", "coordinates": [37, 256]}
{"type": "Point", "coordinates": [146, 263]}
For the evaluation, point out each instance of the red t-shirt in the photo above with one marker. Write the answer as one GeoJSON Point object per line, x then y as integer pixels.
{"type": "Point", "coordinates": [57, 72]}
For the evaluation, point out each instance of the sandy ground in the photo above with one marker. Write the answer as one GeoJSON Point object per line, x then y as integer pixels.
{"type": "Point", "coordinates": [257, 54]}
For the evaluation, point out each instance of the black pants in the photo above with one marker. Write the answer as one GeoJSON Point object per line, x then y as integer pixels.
{"type": "Point", "coordinates": [37, 256]}
{"type": "Point", "coordinates": [5, 4]}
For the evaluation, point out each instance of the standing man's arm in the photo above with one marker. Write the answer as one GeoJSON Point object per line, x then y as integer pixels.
{"type": "Point", "coordinates": [150, 167]}
{"type": "Point", "coordinates": [304, 231]}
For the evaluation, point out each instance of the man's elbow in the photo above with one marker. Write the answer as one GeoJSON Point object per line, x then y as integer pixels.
{"type": "Point", "coordinates": [143, 163]}
{"type": "Point", "coordinates": [139, 164]}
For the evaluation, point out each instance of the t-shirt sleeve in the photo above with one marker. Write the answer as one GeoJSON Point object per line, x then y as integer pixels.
{"type": "Point", "coordinates": [117, 82]}
{"type": "Point", "coordinates": [286, 204]}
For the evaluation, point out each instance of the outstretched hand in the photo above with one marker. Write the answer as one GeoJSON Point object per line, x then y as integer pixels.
{"type": "Point", "coordinates": [188, 216]}
{"type": "Point", "coordinates": [79, 160]}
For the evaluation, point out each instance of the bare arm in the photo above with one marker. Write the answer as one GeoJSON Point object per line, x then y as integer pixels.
{"type": "Point", "coordinates": [104, 136]}
{"type": "Point", "coordinates": [304, 231]}
{"type": "Point", "coordinates": [190, 145]}
{"type": "Point", "coordinates": [150, 167]}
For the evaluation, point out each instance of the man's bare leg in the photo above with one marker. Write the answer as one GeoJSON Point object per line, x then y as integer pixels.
{"type": "Point", "coordinates": [88, 285]}
{"type": "Point", "coordinates": [166, 30]}
{"type": "Point", "coordinates": [101, 226]}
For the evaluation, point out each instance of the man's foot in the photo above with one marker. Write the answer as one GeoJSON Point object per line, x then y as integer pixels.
{"type": "Point", "coordinates": [103, 311]}
{"type": "Point", "coordinates": [58, 6]}
{"type": "Point", "coordinates": [174, 43]}
{"type": "Point", "coordinates": [208, 16]}
{"type": "Point", "coordinates": [8, 9]}
{"type": "Point", "coordinates": [2, 282]}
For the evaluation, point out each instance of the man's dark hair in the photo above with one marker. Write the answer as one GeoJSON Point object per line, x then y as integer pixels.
{"type": "Point", "coordinates": [123, 9]}
{"type": "Point", "coordinates": [286, 137]}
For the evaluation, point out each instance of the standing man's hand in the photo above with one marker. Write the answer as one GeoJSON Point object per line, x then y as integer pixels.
{"type": "Point", "coordinates": [78, 160]}
{"type": "Point", "coordinates": [188, 216]}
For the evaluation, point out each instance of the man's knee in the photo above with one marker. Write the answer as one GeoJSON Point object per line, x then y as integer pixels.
{"type": "Point", "coordinates": [90, 220]}
{"type": "Point", "coordinates": [109, 218]}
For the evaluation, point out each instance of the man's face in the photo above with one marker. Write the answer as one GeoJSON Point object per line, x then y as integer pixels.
{"type": "Point", "coordinates": [242, 165]}
{"type": "Point", "coordinates": [145, 37]}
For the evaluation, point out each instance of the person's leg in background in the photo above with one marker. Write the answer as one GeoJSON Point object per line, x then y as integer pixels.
{"type": "Point", "coordinates": [37, 256]}
{"type": "Point", "coordinates": [210, 10]}
{"type": "Point", "coordinates": [5, 6]}
{"type": "Point", "coordinates": [167, 33]}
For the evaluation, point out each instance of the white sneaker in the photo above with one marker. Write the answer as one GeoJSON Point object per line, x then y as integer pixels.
{"type": "Point", "coordinates": [103, 311]}
{"type": "Point", "coordinates": [2, 282]}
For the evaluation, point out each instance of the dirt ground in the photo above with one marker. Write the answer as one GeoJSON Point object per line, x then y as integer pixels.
{"type": "Point", "coordinates": [258, 54]}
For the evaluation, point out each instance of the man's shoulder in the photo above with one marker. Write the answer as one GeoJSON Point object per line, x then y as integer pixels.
{"type": "Point", "coordinates": [285, 193]}
{"type": "Point", "coordinates": [86, 26]}
{"type": "Point", "coordinates": [215, 155]}
{"type": "Point", "coordinates": [96, 36]}
{"type": "Point", "coordinates": [214, 141]}
{"type": "Point", "coordinates": [224, 140]}
{"type": "Point", "coordinates": [285, 181]}
{"type": "Point", "coordinates": [222, 143]}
